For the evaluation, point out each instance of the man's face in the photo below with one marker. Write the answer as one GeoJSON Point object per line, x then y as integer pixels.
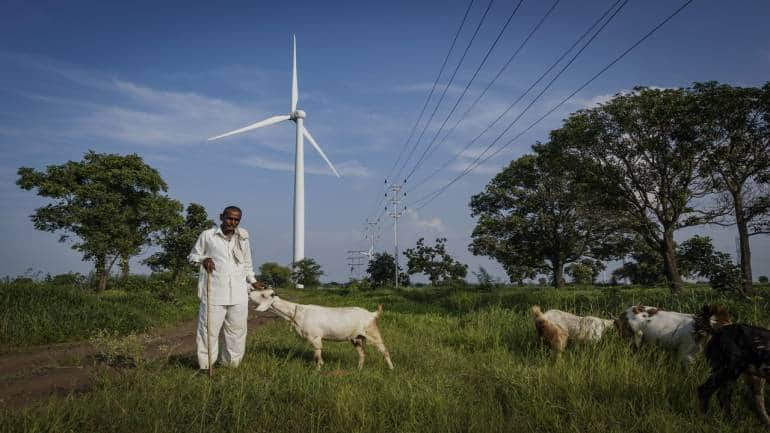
{"type": "Point", "coordinates": [230, 220]}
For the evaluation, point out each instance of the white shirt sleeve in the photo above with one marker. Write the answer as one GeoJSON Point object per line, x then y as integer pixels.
{"type": "Point", "coordinates": [197, 254]}
{"type": "Point", "coordinates": [250, 278]}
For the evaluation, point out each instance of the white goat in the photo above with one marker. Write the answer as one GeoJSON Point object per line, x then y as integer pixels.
{"type": "Point", "coordinates": [672, 330]}
{"type": "Point", "coordinates": [317, 323]}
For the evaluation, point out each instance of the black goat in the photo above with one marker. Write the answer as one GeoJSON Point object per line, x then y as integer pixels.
{"type": "Point", "coordinates": [734, 350]}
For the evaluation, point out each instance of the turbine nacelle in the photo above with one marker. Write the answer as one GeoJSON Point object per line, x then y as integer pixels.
{"type": "Point", "coordinates": [297, 114]}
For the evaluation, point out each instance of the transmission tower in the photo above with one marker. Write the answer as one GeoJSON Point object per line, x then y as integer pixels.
{"type": "Point", "coordinates": [396, 211]}
{"type": "Point", "coordinates": [355, 261]}
{"type": "Point", "coordinates": [371, 234]}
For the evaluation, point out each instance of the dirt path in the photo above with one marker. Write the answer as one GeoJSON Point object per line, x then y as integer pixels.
{"type": "Point", "coordinates": [34, 373]}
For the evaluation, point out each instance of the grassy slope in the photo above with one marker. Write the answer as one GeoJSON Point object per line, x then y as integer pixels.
{"type": "Point", "coordinates": [464, 362]}
{"type": "Point", "coordinates": [39, 313]}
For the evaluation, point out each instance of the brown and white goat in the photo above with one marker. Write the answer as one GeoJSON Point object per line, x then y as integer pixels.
{"type": "Point", "coordinates": [558, 327]}
{"type": "Point", "coordinates": [316, 323]}
{"type": "Point", "coordinates": [670, 329]}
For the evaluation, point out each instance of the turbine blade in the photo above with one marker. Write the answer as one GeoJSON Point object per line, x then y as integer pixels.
{"type": "Point", "coordinates": [294, 86]}
{"type": "Point", "coordinates": [261, 123]}
{"type": "Point", "coordinates": [312, 141]}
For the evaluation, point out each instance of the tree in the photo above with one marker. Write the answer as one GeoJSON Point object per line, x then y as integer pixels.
{"type": "Point", "coordinates": [485, 279]}
{"type": "Point", "coordinates": [177, 241]}
{"type": "Point", "coordinates": [382, 269]}
{"type": "Point", "coordinates": [534, 217]}
{"type": "Point", "coordinates": [275, 275]}
{"type": "Point", "coordinates": [585, 271]}
{"type": "Point", "coordinates": [434, 262]}
{"type": "Point", "coordinates": [307, 272]}
{"type": "Point", "coordinates": [703, 260]}
{"type": "Point", "coordinates": [738, 164]}
{"type": "Point", "coordinates": [645, 267]}
{"type": "Point", "coordinates": [111, 203]}
{"type": "Point", "coordinates": [641, 155]}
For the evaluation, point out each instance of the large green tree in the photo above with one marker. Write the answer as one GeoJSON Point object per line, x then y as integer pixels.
{"type": "Point", "coordinates": [736, 120]}
{"type": "Point", "coordinates": [307, 272]}
{"type": "Point", "coordinates": [534, 217]}
{"type": "Point", "coordinates": [111, 203]}
{"type": "Point", "coordinates": [274, 274]}
{"type": "Point", "coordinates": [177, 241]}
{"type": "Point", "coordinates": [434, 262]}
{"type": "Point", "coordinates": [640, 154]}
{"type": "Point", "coordinates": [382, 270]}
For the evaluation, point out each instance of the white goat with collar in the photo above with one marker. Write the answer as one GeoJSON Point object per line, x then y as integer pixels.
{"type": "Point", "coordinates": [317, 323]}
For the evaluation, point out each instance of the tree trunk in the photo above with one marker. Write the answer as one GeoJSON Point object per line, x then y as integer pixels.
{"type": "Point", "coordinates": [743, 237]}
{"type": "Point", "coordinates": [668, 252]}
{"type": "Point", "coordinates": [558, 272]}
{"type": "Point", "coordinates": [124, 267]}
{"type": "Point", "coordinates": [101, 273]}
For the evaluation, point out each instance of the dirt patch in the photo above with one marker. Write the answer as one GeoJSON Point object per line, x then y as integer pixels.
{"type": "Point", "coordinates": [34, 373]}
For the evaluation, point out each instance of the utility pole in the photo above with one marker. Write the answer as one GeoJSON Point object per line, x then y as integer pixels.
{"type": "Point", "coordinates": [396, 212]}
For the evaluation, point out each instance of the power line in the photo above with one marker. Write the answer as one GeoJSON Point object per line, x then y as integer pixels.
{"type": "Point", "coordinates": [473, 165]}
{"type": "Point", "coordinates": [443, 93]}
{"type": "Point", "coordinates": [435, 82]}
{"type": "Point", "coordinates": [467, 86]}
{"type": "Point", "coordinates": [543, 75]}
{"type": "Point", "coordinates": [425, 105]}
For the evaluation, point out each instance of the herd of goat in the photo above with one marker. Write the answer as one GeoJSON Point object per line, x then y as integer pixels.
{"type": "Point", "coordinates": [731, 349]}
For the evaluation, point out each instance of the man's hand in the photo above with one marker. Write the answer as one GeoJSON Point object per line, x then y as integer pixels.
{"type": "Point", "coordinates": [208, 265]}
{"type": "Point", "coordinates": [258, 286]}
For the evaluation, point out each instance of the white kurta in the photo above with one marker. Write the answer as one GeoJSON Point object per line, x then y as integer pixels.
{"type": "Point", "coordinates": [234, 271]}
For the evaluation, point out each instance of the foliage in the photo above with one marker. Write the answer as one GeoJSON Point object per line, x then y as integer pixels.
{"type": "Point", "coordinates": [585, 271]}
{"type": "Point", "coordinates": [704, 260]}
{"type": "Point", "coordinates": [534, 217]}
{"type": "Point", "coordinates": [737, 120]}
{"type": "Point", "coordinates": [118, 350]}
{"type": "Point", "coordinates": [177, 241]}
{"type": "Point", "coordinates": [434, 262]}
{"type": "Point", "coordinates": [763, 279]}
{"type": "Point", "coordinates": [485, 279]}
{"type": "Point", "coordinates": [111, 203]}
{"type": "Point", "coordinates": [382, 269]}
{"type": "Point", "coordinates": [307, 272]}
{"type": "Point", "coordinates": [640, 154]}
{"type": "Point", "coordinates": [72, 279]}
{"type": "Point", "coordinates": [274, 274]}
{"type": "Point", "coordinates": [33, 313]}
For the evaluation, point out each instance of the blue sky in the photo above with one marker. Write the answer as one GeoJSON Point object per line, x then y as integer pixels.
{"type": "Point", "coordinates": [158, 79]}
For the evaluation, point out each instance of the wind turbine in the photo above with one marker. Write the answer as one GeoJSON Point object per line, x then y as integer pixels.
{"type": "Point", "coordinates": [298, 117]}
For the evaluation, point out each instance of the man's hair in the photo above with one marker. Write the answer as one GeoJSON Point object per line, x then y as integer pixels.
{"type": "Point", "coordinates": [232, 208]}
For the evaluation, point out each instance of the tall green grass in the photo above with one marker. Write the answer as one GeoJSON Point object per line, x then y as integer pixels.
{"type": "Point", "coordinates": [33, 313]}
{"type": "Point", "coordinates": [465, 362]}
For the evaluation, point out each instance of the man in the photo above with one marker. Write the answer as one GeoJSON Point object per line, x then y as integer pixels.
{"type": "Point", "coordinates": [224, 252]}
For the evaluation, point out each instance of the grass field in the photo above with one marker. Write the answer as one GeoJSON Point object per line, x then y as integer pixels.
{"type": "Point", "coordinates": [465, 362]}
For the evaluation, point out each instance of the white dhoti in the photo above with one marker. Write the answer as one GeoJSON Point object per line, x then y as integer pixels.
{"type": "Point", "coordinates": [228, 328]}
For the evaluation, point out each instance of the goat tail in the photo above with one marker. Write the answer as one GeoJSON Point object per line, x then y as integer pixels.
{"type": "Point", "coordinates": [536, 312]}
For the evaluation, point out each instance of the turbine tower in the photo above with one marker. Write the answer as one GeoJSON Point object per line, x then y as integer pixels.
{"type": "Point", "coordinates": [297, 116]}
